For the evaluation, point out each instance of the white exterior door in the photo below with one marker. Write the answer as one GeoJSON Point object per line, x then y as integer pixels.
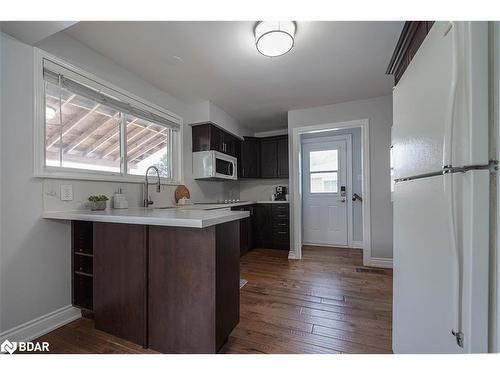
{"type": "Point", "coordinates": [324, 193]}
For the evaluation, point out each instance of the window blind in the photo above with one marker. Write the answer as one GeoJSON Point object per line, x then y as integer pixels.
{"type": "Point", "coordinates": [52, 73]}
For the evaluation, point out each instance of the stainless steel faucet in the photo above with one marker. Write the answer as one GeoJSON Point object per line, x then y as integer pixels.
{"type": "Point", "coordinates": [147, 198]}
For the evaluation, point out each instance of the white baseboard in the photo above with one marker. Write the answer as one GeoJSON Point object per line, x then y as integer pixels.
{"type": "Point", "coordinates": [354, 245]}
{"type": "Point", "coordinates": [357, 244]}
{"type": "Point", "coordinates": [380, 262]}
{"type": "Point", "coordinates": [40, 326]}
{"type": "Point", "coordinates": [291, 255]}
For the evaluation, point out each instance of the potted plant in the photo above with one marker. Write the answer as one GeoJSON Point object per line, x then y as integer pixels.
{"type": "Point", "coordinates": [98, 202]}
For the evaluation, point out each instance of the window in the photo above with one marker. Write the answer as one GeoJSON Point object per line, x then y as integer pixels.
{"type": "Point", "coordinates": [91, 131]}
{"type": "Point", "coordinates": [323, 168]}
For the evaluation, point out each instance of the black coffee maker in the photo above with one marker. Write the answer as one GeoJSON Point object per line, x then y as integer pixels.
{"type": "Point", "coordinates": [280, 193]}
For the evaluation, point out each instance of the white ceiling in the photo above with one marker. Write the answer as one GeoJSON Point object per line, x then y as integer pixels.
{"type": "Point", "coordinates": [331, 62]}
{"type": "Point", "coordinates": [31, 32]}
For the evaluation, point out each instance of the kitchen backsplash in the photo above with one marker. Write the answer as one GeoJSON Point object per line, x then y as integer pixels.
{"type": "Point", "coordinates": [259, 189]}
{"type": "Point", "coordinates": [204, 191]}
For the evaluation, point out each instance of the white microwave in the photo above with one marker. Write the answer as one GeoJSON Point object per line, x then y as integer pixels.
{"type": "Point", "coordinates": [213, 165]}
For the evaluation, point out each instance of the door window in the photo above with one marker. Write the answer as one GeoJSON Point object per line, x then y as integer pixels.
{"type": "Point", "coordinates": [323, 167]}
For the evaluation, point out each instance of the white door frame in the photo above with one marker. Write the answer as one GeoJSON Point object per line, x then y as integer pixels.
{"type": "Point", "coordinates": [296, 184]}
{"type": "Point", "coordinates": [348, 164]}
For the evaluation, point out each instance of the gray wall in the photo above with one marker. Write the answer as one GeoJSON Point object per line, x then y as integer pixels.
{"type": "Point", "coordinates": [34, 252]}
{"type": "Point", "coordinates": [78, 54]}
{"type": "Point", "coordinates": [379, 112]}
{"type": "Point", "coordinates": [357, 181]}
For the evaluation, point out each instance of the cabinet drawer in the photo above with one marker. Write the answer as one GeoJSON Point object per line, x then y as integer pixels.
{"type": "Point", "coordinates": [280, 216]}
{"type": "Point", "coordinates": [280, 225]}
{"type": "Point", "coordinates": [281, 230]}
{"type": "Point", "coordinates": [280, 207]}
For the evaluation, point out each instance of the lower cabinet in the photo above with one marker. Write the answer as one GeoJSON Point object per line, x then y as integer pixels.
{"type": "Point", "coordinates": [172, 289]}
{"type": "Point", "coordinates": [120, 280]}
{"type": "Point", "coordinates": [273, 226]}
{"type": "Point", "coordinates": [248, 228]}
{"type": "Point", "coordinates": [194, 277]}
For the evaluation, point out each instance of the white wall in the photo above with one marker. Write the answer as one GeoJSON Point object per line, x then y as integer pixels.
{"type": "Point", "coordinates": [34, 252]}
{"type": "Point", "coordinates": [379, 112]}
{"type": "Point", "coordinates": [259, 189]}
{"type": "Point", "coordinates": [208, 112]}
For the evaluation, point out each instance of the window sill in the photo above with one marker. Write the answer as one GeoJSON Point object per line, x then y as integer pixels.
{"type": "Point", "coordinates": [101, 177]}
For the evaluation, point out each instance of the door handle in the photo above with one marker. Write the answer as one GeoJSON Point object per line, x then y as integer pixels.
{"type": "Point", "coordinates": [342, 200]}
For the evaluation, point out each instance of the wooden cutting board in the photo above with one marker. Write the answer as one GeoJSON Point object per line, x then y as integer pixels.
{"type": "Point", "coordinates": [181, 192]}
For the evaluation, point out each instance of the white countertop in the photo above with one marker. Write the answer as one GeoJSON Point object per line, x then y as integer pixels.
{"type": "Point", "coordinates": [173, 217]}
{"type": "Point", "coordinates": [272, 202]}
{"type": "Point", "coordinates": [216, 206]}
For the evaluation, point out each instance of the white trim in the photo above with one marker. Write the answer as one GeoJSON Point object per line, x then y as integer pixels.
{"type": "Point", "coordinates": [380, 263]}
{"type": "Point", "coordinates": [271, 133]}
{"type": "Point", "coordinates": [295, 182]}
{"type": "Point", "coordinates": [357, 244]}
{"type": "Point", "coordinates": [291, 254]}
{"type": "Point", "coordinates": [40, 326]}
{"type": "Point", "coordinates": [39, 168]}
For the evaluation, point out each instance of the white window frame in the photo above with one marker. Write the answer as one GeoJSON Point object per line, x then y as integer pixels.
{"type": "Point", "coordinates": [43, 171]}
{"type": "Point", "coordinates": [311, 173]}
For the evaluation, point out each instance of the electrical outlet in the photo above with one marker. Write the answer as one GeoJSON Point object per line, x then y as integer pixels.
{"type": "Point", "coordinates": [66, 192]}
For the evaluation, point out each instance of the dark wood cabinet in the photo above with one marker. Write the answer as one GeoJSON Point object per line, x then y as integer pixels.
{"type": "Point", "coordinates": [247, 228]}
{"type": "Point", "coordinates": [229, 144]}
{"type": "Point", "coordinates": [193, 287]}
{"type": "Point", "coordinates": [249, 158]}
{"type": "Point", "coordinates": [412, 36]}
{"type": "Point", "coordinates": [120, 280]}
{"type": "Point", "coordinates": [273, 226]}
{"type": "Point", "coordinates": [268, 158]}
{"type": "Point", "coordinates": [257, 157]}
{"type": "Point", "coordinates": [280, 216]}
{"type": "Point", "coordinates": [175, 290]}
{"type": "Point", "coordinates": [274, 157]}
{"type": "Point", "coordinates": [282, 157]}
{"type": "Point", "coordinates": [210, 137]}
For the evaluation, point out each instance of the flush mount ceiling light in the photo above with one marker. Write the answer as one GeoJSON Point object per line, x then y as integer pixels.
{"type": "Point", "coordinates": [274, 38]}
{"type": "Point", "coordinates": [49, 113]}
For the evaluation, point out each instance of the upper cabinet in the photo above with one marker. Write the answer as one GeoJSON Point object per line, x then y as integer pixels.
{"type": "Point", "coordinates": [249, 158]}
{"type": "Point", "coordinates": [264, 157]}
{"type": "Point", "coordinates": [268, 158]}
{"type": "Point", "coordinates": [412, 36]}
{"type": "Point", "coordinates": [282, 157]}
{"type": "Point", "coordinates": [209, 137]}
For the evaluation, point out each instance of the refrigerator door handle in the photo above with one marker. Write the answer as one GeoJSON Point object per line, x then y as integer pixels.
{"type": "Point", "coordinates": [456, 266]}
{"type": "Point", "coordinates": [448, 190]}
{"type": "Point", "coordinates": [448, 126]}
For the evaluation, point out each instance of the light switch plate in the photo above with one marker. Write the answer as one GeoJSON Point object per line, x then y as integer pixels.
{"type": "Point", "coordinates": [66, 192]}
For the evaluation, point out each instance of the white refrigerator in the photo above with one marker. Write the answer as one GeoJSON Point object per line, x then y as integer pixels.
{"type": "Point", "coordinates": [441, 194]}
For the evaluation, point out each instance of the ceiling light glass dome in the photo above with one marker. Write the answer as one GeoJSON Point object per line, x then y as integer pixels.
{"type": "Point", "coordinates": [274, 38]}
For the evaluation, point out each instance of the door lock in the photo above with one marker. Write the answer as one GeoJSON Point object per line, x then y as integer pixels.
{"type": "Point", "coordinates": [342, 191]}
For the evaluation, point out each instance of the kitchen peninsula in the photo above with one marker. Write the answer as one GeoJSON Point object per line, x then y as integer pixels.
{"type": "Point", "coordinates": [167, 279]}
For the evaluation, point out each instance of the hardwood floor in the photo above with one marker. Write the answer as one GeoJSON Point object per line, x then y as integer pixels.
{"type": "Point", "coordinates": [323, 303]}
